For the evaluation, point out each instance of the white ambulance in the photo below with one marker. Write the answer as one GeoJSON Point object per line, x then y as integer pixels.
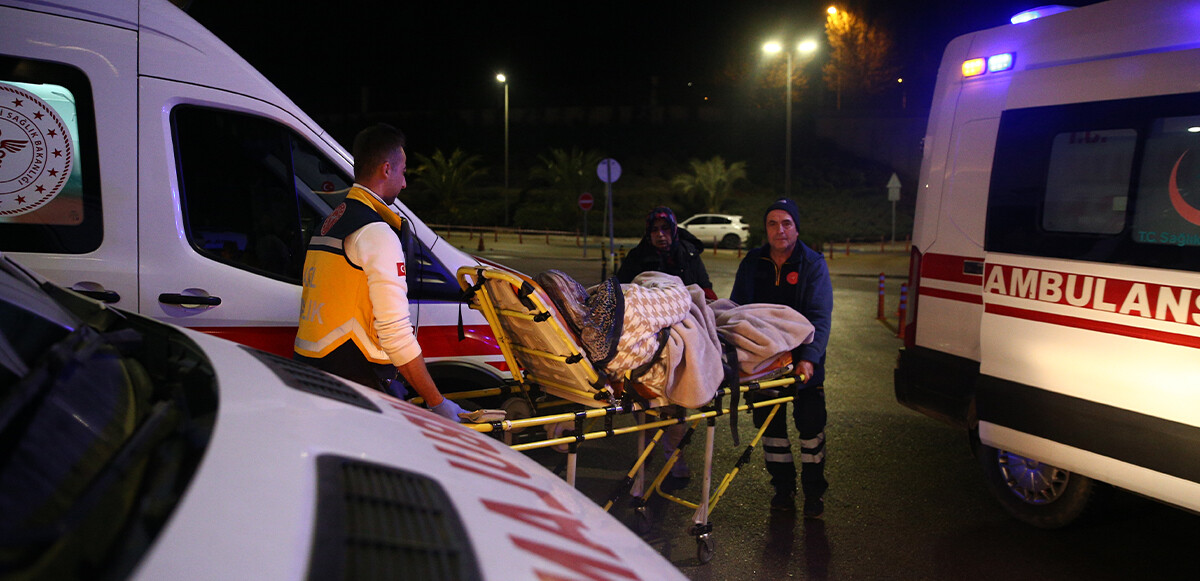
{"type": "Point", "coordinates": [1055, 273]}
{"type": "Point", "coordinates": [146, 164]}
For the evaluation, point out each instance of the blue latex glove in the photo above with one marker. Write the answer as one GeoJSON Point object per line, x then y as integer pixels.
{"type": "Point", "coordinates": [448, 409]}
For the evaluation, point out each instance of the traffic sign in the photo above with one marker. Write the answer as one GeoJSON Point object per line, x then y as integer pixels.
{"type": "Point", "coordinates": [608, 170]}
{"type": "Point", "coordinates": [585, 201]}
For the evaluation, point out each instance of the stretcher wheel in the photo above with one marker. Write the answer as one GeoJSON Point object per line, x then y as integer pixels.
{"type": "Point", "coordinates": [641, 522]}
{"type": "Point", "coordinates": [516, 408]}
{"type": "Point", "coordinates": [706, 547]}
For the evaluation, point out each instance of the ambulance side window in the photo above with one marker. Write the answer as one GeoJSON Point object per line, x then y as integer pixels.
{"type": "Point", "coordinates": [251, 189]}
{"type": "Point", "coordinates": [49, 170]}
{"type": "Point", "coordinates": [1111, 181]}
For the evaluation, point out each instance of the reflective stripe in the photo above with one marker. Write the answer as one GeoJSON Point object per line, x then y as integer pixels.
{"type": "Point", "coordinates": [351, 327]}
{"type": "Point", "coordinates": [812, 450]}
{"type": "Point", "coordinates": [776, 442]}
{"type": "Point", "coordinates": [783, 458]}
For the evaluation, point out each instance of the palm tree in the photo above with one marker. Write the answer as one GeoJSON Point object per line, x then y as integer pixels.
{"type": "Point", "coordinates": [447, 178]}
{"type": "Point", "coordinates": [710, 180]}
{"type": "Point", "coordinates": [570, 172]}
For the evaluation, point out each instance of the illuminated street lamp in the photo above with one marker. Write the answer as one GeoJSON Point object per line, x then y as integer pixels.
{"type": "Point", "coordinates": [504, 80]}
{"type": "Point", "coordinates": [805, 48]}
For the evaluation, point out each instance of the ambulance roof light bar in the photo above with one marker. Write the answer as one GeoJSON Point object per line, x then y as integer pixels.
{"type": "Point", "coordinates": [1039, 12]}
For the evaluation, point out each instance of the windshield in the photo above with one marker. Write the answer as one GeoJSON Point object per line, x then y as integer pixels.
{"type": "Point", "coordinates": [103, 420]}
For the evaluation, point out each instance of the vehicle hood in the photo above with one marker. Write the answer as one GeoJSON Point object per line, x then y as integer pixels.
{"type": "Point", "coordinates": [250, 511]}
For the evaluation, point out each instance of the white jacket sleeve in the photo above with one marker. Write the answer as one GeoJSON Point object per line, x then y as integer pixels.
{"type": "Point", "coordinates": [377, 249]}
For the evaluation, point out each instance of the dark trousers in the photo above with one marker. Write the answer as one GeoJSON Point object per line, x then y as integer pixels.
{"type": "Point", "coordinates": [348, 362]}
{"type": "Point", "coordinates": [809, 416]}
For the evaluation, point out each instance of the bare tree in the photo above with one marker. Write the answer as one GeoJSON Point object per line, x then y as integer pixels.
{"type": "Point", "coordinates": [860, 56]}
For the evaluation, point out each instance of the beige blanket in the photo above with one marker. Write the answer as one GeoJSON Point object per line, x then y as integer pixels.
{"type": "Point", "coordinates": [761, 331]}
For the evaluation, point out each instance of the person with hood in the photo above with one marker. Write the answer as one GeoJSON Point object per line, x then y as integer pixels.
{"type": "Point", "coordinates": [786, 272]}
{"type": "Point", "coordinates": [666, 248]}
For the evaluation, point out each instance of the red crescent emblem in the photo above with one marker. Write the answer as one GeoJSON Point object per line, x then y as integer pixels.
{"type": "Point", "coordinates": [1185, 210]}
{"type": "Point", "coordinates": [793, 277]}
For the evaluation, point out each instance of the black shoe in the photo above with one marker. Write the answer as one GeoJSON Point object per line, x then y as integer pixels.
{"type": "Point", "coordinates": [784, 501]}
{"type": "Point", "coordinates": [814, 507]}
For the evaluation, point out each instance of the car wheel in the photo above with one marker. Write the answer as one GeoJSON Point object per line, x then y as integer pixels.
{"type": "Point", "coordinates": [454, 378]}
{"type": "Point", "coordinates": [731, 241]}
{"type": "Point", "coordinates": [1034, 492]}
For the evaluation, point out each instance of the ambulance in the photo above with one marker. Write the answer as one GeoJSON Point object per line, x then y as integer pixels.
{"type": "Point", "coordinates": [145, 164]}
{"type": "Point", "coordinates": [1055, 273]}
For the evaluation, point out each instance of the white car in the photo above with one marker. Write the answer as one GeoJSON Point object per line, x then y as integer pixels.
{"type": "Point", "coordinates": [724, 230]}
{"type": "Point", "coordinates": [138, 449]}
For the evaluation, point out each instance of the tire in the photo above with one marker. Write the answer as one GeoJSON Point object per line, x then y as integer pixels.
{"type": "Point", "coordinates": [1034, 492]}
{"type": "Point", "coordinates": [731, 241]}
{"type": "Point", "coordinates": [453, 377]}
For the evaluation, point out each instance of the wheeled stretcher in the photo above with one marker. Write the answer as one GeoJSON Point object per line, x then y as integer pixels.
{"type": "Point", "coordinates": [554, 386]}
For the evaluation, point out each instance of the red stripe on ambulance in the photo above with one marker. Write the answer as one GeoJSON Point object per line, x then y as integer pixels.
{"type": "Point", "coordinates": [1135, 299]}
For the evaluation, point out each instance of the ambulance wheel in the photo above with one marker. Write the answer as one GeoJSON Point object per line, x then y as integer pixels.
{"type": "Point", "coordinates": [706, 547]}
{"type": "Point", "coordinates": [1034, 492]}
{"type": "Point", "coordinates": [455, 377]}
{"type": "Point", "coordinates": [731, 241]}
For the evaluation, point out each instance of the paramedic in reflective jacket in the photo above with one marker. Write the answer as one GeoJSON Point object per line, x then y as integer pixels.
{"type": "Point", "coordinates": [786, 272]}
{"type": "Point", "coordinates": [354, 318]}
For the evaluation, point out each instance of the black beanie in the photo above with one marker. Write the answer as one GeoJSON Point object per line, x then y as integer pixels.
{"type": "Point", "coordinates": [786, 205]}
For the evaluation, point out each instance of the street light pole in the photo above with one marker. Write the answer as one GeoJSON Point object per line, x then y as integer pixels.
{"type": "Point", "coordinates": [503, 79]}
{"type": "Point", "coordinates": [787, 165]}
{"type": "Point", "coordinates": [805, 47]}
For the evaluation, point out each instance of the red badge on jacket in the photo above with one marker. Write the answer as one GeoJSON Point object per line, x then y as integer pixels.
{"type": "Point", "coordinates": [793, 277]}
{"type": "Point", "coordinates": [399, 269]}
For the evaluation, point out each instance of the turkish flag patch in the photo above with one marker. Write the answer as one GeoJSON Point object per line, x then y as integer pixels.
{"type": "Point", "coordinates": [400, 269]}
{"type": "Point", "coordinates": [793, 277]}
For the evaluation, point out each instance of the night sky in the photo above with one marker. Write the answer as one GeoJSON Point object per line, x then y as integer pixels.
{"type": "Point", "coordinates": [444, 54]}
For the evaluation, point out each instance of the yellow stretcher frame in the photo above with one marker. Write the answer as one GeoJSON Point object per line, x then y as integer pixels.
{"type": "Point", "coordinates": [542, 355]}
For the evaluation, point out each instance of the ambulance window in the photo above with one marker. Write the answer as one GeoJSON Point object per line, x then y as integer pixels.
{"type": "Point", "coordinates": [1106, 181]}
{"type": "Point", "coordinates": [1168, 208]}
{"type": "Point", "coordinates": [49, 186]}
{"type": "Point", "coordinates": [1087, 186]}
{"type": "Point", "coordinates": [250, 189]}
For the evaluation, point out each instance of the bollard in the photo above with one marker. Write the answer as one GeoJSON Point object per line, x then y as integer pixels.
{"type": "Point", "coordinates": [902, 314]}
{"type": "Point", "coordinates": [520, 238]}
{"type": "Point", "coordinates": [714, 245]}
{"type": "Point", "coordinates": [908, 243]}
{"type": "Point", "coordinates": [739, 250]}
{"type": "Point", "coordinates": [847, 247]}
{"type": "Point", "coordinates": [481, 243]}
{"type": "Point", "coordinates": [495, 235]}
{"type": "Point", "coordinates": [881, 244]}
{"type": "Point", "coordinates": [547, 238]}
{"type": "Point", "coordinates": [577, 238]}
{"type": "Point", "coordinates": [879, 314]}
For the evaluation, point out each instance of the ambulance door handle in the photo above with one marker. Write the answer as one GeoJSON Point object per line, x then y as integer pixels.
{"type": "Point", "coordinates": [95, 290]}
{"type": "Point", "coordinates": [104, 296]}
{"type": "Point", "coordinates": [974, 267]}
{"type": "Point", "coordinates": [189, 300]}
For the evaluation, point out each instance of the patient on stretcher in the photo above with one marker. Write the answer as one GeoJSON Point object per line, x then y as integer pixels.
{"type": "Point", "coordinates": [664, 337]}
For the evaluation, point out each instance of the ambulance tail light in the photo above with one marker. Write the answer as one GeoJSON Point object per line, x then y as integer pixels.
{"type": "Point", "coordinates": [914, 294]}
{"type": "Point", "coordinates": [993, 64]}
